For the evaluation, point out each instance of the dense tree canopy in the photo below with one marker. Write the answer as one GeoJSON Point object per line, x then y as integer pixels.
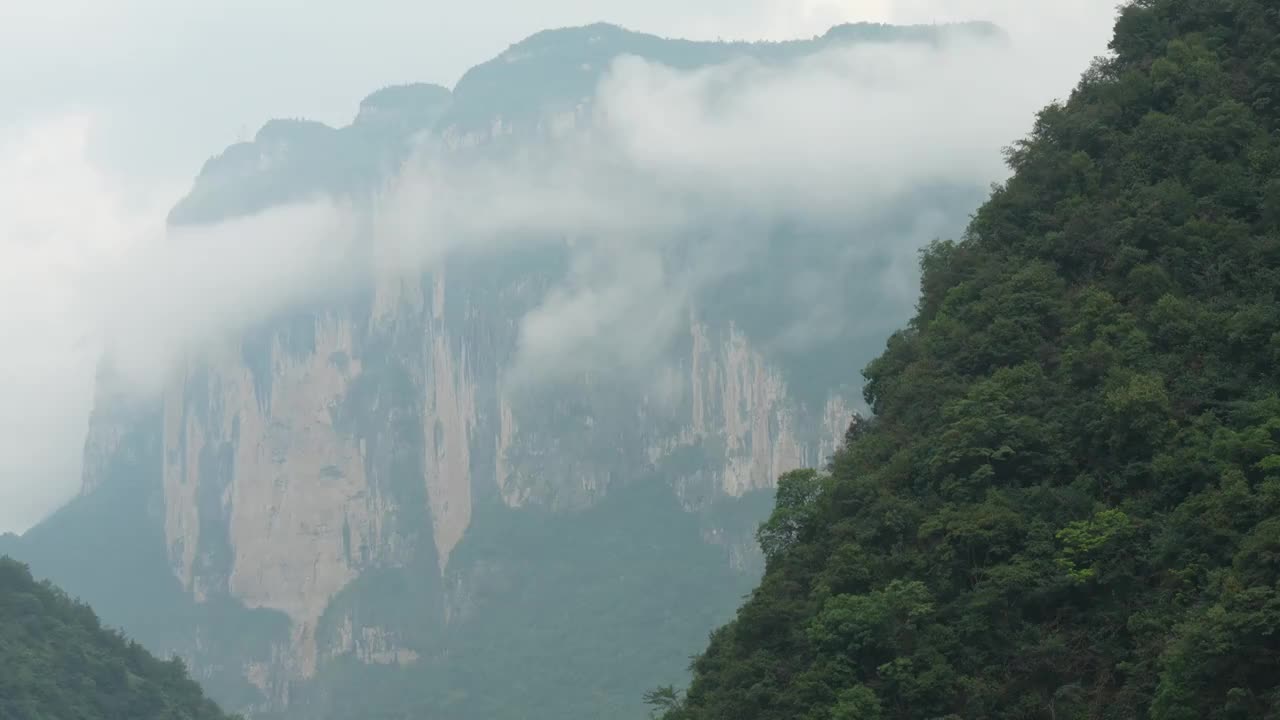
{"type": "Point", "coordinates": [1067, 504]}
{"type": "Point", "coordinates": [58, 663]}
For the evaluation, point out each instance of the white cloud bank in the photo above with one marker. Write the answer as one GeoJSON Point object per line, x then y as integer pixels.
{"type": "Point", "coordinates": [85, 259]}
{"type": "Point", "coordinates": [59, 216]}
{"type": "Point", "coordinates": [82, 255]}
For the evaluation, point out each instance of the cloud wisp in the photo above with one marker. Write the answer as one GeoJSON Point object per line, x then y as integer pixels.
{"type": "Point", "coordinates": [702, 166]}
{"type": "Point", "coordinates": [59, 217]}
{"type": "Point", "coordinates": [88, 265]}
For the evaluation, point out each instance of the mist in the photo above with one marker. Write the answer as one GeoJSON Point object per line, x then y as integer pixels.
{"type": "Point", "coordinates": [726, 153]}
{"type": "Point", "coordinates": [88, 263]}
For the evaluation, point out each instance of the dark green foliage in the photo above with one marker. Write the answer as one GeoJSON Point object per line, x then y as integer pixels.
{"type": "Point", "coordinates": [665, 699]}
{"type": "Point", "coordinates": [58, 663]}
{"type": "Point", "coordinates": [1067, 503]}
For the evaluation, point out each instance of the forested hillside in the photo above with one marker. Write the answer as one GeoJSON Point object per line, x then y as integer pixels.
{"type": "Point", "coordinates": [58, 663]}
{"type": "Point", "coordinates": [1067, 503]}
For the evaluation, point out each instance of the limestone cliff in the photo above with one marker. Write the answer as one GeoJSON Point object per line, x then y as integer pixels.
{"type": "Point", "coordinates": [282, 484]}
{"type": "Point", "coordinates": [355, 493]}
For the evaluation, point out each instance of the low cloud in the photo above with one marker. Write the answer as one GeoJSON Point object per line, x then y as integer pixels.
{"type": "Point", "coordinates": [617, 301]}
{"type": "Point", "coordinates": [179, 291]}
{"type": "Point", "coordinates": [89, 266]}
{"type": "Point", "coordinates": [684, 178]}
{"type": "Point", "coordinates": [59, 217]}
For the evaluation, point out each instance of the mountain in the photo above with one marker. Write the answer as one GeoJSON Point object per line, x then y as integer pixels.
{"type": "Point", "coordinates": [1066, 502]}
{"type": "Point", "coordinates": [352, 509]}
{"type": "Point", "coordinates": [59, 662]}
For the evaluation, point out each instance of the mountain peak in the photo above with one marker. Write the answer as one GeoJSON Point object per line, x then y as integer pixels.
{"type": "Point", "coordinates": [291, 130]}
{"type": "Point", "coordinates": [933, 32]}
{"type": "Point", "coordinates": [406, 97]}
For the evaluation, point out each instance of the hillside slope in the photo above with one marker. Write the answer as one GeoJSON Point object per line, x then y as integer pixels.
{"type": "Point", "coordinates": [1067, 504]}
{"type": "Point", "coordinates": [59, 663]}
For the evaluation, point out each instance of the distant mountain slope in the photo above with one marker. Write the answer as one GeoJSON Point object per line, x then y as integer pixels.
{"type": "Point", "coordinates": [58, 663]}
{"type": "Point", "coordinates": [1067, 504]}
{"type": "Point", "coordinates": [353, 511]}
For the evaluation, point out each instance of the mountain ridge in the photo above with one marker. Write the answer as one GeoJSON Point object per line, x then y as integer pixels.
{"type": "Point", "coordinates": [487, 93]}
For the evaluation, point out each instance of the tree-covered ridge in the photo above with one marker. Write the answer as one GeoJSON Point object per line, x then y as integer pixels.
{"type": "Point", "coordinates": [58, 663]}
{"type": "Point", "coordinates": [1067, 504]}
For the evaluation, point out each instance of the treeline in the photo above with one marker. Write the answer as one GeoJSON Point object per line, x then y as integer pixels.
{"type": "Point", "coordinates": [58, 663]}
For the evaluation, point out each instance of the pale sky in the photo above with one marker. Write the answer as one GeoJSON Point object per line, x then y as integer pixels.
{"type": "Point", "coordinates": [111, 106]}
{"type": "Point", "coordinates": [173, 81]}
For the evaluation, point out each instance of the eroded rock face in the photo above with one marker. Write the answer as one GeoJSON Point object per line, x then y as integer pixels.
{"type": "Point", "coordinates": [292, 493]}
{"type": "Point", "coordinates": [361, 438]}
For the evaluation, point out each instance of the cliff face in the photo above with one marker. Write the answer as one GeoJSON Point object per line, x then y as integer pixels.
{"type": "Point", "coordinates": [361, 438]}
{"type": "Point", "coordinates": [354, 497]}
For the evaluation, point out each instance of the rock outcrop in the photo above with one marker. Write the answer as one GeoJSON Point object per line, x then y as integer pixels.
{"type": "Point", "coordinates": [280, 475]}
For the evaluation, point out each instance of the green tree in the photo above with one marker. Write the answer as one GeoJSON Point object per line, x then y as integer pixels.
{"type": "Point", "coordinates": [59, 663]}
{"type": "Point", "coordinates": [663, 701]}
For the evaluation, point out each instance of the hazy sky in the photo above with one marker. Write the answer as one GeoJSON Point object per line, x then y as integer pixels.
{"type": "Point", "coordinates": [172, 81]}
{"type": "Point", "coordinates": [176, 79]}
{"type": "Point", "coordinates": [111, 107]}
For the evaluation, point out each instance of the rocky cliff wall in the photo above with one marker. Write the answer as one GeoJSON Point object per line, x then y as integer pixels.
{"type": "Point", "coordinates": [359, 438]}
